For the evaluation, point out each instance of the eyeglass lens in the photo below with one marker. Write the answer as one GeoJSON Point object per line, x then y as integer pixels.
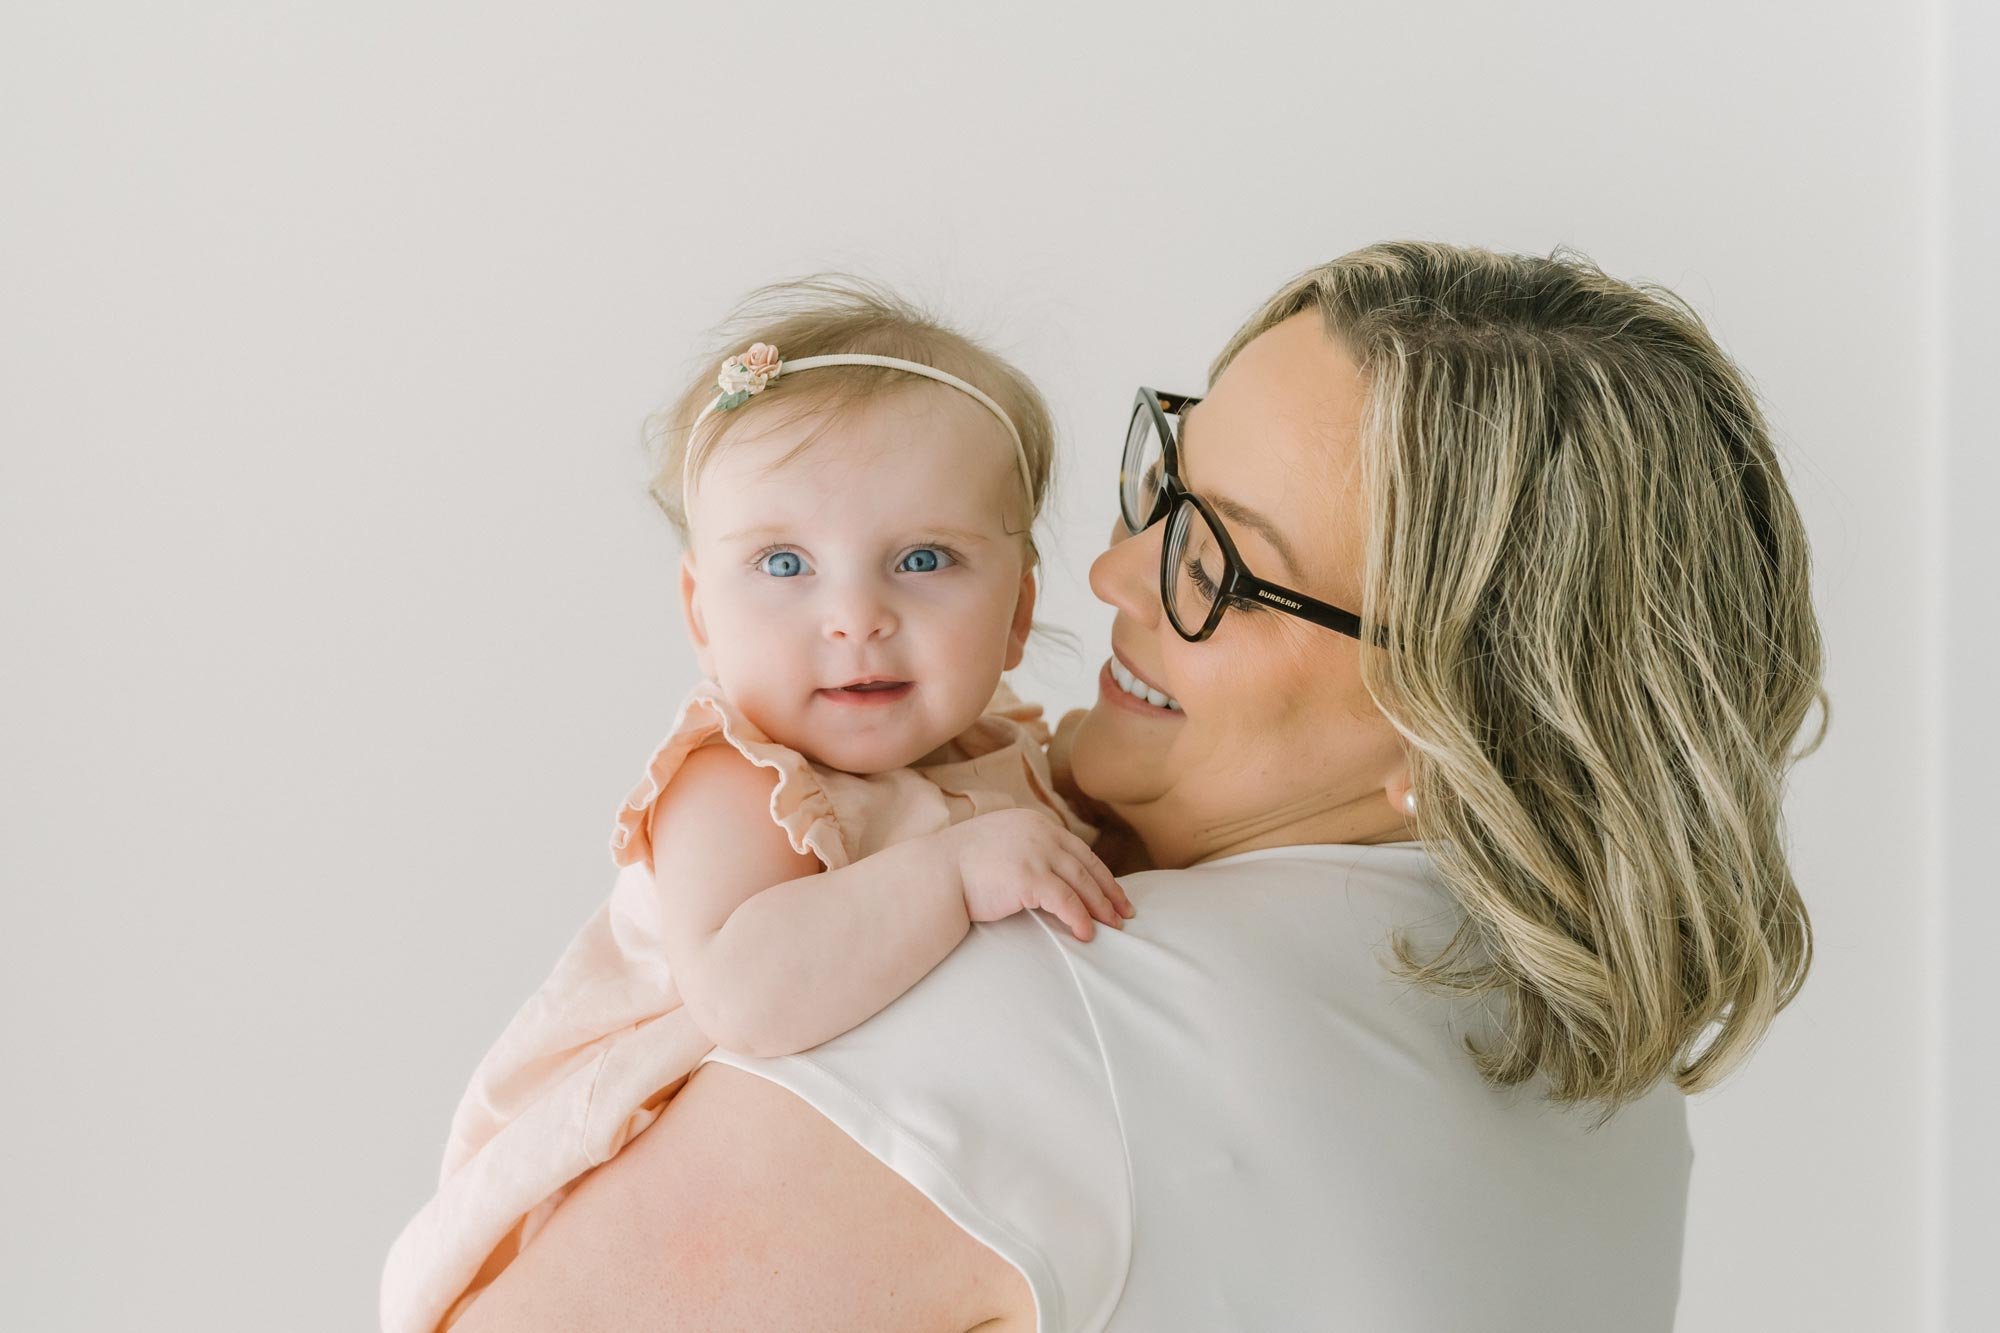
{"type": "Point", "coordinates": [1193, 554]}
{"type": "Point", "coordinates": [1139, 473]}
{"type": "Point", "coordinates": [1191, 559]}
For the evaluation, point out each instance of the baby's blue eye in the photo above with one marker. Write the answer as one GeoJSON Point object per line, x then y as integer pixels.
{"type": "Point", "coordinates": [923, 560]}
{"type": "Point", "coordinates": [782, 564]}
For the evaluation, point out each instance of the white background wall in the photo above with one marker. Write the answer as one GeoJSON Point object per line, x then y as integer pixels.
{"type": "Point", "coordinates": [1964, 551]}
{"type": "Point", "coordinates": [336, 622]}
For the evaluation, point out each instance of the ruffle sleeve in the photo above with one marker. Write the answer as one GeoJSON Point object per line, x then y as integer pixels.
{"type": "Point", "coordinates": [1010, 707]}
{"type": "Point", "coordinates": [1002, 761]}
{"type": "Point", "coordinates": [800, 804]}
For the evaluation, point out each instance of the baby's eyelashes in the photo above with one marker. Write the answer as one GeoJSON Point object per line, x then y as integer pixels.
{"type": "Point", "coordinates": [782, 562]}
{"type": "Point", "coordinates": [925, 560]}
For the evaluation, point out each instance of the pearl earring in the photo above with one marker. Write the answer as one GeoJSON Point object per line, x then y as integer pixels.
{"type": "Point", "coordinates": [1410, 803]}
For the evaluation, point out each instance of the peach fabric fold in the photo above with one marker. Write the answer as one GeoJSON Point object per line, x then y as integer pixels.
{"type": "Point", "coordinates": [595, 1054]}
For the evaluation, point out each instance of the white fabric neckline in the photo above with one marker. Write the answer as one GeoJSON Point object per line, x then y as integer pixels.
{"type": "Point", "coordinates": [1307, 849]}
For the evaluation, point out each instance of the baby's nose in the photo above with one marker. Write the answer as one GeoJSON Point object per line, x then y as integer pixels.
{"type": "Point", "coordinates": [859, 614]}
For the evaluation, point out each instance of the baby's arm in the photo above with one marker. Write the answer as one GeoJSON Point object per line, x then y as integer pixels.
{"type": "Point", "coordinates": [770, 953]}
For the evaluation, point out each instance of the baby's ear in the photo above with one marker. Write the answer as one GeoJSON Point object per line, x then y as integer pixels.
{"type": "Point", "coordinates": [1024, 619]}
{"type": "Point", "coordinates": [691, 611]}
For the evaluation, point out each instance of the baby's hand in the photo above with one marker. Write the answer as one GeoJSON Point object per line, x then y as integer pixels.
{"type": "Point", "coordinates": [1011, 860]}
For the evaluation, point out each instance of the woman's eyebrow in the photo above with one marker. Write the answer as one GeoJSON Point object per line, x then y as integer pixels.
{"type": "Point", "coordinates": [1243, 513]}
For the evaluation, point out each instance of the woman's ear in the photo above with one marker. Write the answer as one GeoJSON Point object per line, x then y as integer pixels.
{"type": "Point", "coordinates": [691, 612]}
{"type": "Point", "coordinates": [1024, 620]}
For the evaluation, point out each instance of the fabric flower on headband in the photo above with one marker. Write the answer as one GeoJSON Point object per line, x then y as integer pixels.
{"type": "Point", "coordinates": [746, 373]}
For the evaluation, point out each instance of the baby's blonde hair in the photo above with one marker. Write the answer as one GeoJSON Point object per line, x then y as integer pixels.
{"type": "Point", "coordinates": [1595, 591]}
{"type": "Point", "coordinates": [822, 315]}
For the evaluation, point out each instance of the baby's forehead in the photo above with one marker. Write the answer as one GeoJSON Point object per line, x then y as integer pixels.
{"type": "Point", "coordinates": [827, 518]}
{"type": "Point", "coordinates": [894, 506]}
{"type": "Point", "coordinates": [905, 464]}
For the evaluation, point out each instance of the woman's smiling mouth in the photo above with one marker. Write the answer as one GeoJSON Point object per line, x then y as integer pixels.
{"type": "Point", "coordinates": [1132, 686]}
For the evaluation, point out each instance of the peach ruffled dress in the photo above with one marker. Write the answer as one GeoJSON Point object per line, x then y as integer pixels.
{"type": "Point", "coordinates": [595, 1054]}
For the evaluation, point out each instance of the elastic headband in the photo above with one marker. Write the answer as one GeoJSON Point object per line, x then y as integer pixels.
{"type": "Point", "coordinates": [750, 372]}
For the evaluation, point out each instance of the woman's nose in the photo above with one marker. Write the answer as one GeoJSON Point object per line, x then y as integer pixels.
{"type": "Point", "coordinates": [1126, 573]}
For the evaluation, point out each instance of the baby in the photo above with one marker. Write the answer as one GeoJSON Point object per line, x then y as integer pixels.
{"type": "Point", "coordinates": [847, 791]}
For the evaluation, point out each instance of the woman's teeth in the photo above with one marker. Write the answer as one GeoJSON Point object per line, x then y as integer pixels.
{"type": "Point", "coordinates": [1139, 689]}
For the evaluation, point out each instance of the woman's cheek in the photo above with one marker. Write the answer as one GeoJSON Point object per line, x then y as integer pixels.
{"type": "Point", "coordinates": [1114, 765]}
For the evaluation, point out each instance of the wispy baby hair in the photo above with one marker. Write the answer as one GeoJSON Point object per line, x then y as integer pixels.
{"type": "Point", "coordinates": [825, 315]}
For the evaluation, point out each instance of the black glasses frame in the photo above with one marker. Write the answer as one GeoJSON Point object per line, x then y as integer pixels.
{"type": "Point", "coordinates": [1237, 584]}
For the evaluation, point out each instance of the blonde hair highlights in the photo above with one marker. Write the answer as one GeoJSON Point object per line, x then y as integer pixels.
{"type": "Point", "coordinates": [1600, 642]}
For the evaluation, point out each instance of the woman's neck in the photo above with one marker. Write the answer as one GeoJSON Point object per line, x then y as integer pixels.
{"type": "Point", "coordinates": [1184, 838]}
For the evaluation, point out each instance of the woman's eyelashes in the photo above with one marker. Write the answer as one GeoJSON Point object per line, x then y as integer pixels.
{"type": "Point", "coordinates": [1198, 576]}
{"type": "Point", "coordinates": [783, 562]}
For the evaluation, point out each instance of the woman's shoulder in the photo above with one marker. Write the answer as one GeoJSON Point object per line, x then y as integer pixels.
{"type": "Point", "coordinates": [1241, 1061]}
{"type": "Point", "coordinates": [1373, 1118]}
{"type": "Point", "coordinates": [985, 1087]}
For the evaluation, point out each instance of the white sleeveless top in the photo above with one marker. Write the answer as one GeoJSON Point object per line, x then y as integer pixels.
{"type": "Point", "coordinates": [1229, 1115]}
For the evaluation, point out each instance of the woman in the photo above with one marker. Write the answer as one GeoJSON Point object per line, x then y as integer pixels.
{"type": "Point", "coordinates": [1462, 631]}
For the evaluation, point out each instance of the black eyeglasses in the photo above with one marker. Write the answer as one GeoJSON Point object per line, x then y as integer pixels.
{"type": "Point", "coordinates": [1200, 572]}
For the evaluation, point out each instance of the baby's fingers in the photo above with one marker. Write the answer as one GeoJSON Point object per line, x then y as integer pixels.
{"type": "Point", "coordinates": [1102, 877]}
{"type": "Point", "coordinates": [1077, 873]}
{"type": "Point", "coordinates": [1112, 888]}
{"type": "Point", "coordinates": [1058, 897]}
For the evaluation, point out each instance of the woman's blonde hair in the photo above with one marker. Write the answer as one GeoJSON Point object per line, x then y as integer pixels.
{"type": "Point", "coordinates": [1600, 641]}
{"type": "Point", "coordinates": [822, 315]}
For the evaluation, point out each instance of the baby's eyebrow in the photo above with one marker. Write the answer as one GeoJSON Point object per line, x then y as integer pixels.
{"type": "Point", "coordinates": [918, 531]}
{"type": "Point", "coordinates": [747, 534]}
{"type": "Point", "coordinates": [964, 535]}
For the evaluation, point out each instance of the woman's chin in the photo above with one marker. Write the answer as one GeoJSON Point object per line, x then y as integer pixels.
{"type": "Point", "coordinates": [1115, 762]}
